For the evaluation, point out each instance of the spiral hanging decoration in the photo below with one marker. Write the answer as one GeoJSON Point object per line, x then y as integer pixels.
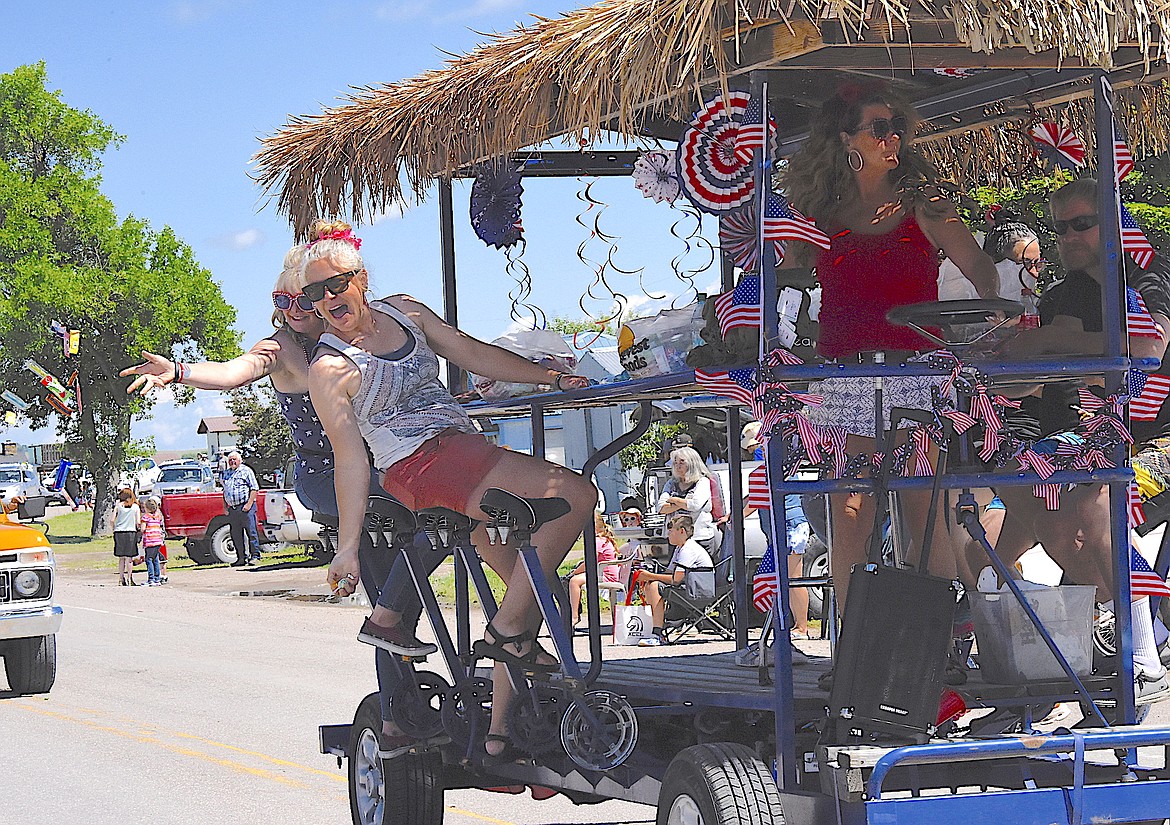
{"type": "Point", "coordinates": [521, 310]}
{"type": "Point", "coordinates": [693, 241]}
{"type": "Point", "coordinates": [599, 286]}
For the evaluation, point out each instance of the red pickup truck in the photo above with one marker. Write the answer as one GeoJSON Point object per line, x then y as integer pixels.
{"type": "Point", "coordinates": [201, 519]}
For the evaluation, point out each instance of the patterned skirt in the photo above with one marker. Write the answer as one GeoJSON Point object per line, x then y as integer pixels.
{"type": "Point", "coordinates": [849, 401]}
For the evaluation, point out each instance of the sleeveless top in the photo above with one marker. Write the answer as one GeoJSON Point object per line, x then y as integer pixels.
{"type": "Point", "coordinates": [400, 404]}
{"type": "Point", "coordinates": [314, 452]}
{"type": "Point", "coordinates": [864, 276]}
{"type": "Point", "coordinates": [152, 532]}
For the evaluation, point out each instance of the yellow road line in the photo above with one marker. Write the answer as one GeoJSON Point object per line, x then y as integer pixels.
{"type": "Point", "coordinates": [150, 740]}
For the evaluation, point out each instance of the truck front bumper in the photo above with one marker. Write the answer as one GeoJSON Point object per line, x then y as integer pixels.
{"type": "Point", "coordinates": [27, 622]}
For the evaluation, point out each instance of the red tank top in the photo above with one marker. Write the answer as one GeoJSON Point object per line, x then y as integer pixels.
{"type": "Point", "coordinates": [864, 276]}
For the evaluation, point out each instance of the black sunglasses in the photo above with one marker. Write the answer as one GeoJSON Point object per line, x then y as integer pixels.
{"type": "Point", "coordinates": [336, 285]}
{"type": "Point", "coordinates": [883, 127]}
{"type": "Point", "coordinates": [284, 301]}
{"type": "Point", "coordinates": [1078, 224]}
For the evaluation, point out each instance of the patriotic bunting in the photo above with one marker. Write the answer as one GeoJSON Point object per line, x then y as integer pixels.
{"type": "Point", "coordinates": [1059, 145]}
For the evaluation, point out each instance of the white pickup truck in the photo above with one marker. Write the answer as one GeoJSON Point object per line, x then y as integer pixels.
{"type": "Point", "coordinates": [29, 620]}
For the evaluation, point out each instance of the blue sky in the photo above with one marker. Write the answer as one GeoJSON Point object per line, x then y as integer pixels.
{"type": "Point", "coordinates": [194, 85]}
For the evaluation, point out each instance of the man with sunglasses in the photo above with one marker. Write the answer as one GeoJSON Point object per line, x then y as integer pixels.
{"type": "Point", "coordinates": [1071, 316]}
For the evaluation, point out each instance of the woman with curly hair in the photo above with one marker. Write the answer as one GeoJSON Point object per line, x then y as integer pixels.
{"type": "Point", "coordinates": [860, 178]}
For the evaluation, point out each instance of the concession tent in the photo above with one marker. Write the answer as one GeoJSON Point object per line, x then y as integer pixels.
{"type": "Point", "coordinates": [638, 68]}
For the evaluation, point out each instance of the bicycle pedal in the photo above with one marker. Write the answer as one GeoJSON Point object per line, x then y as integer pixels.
{"type": "Point", "coordinates": [410, 660]}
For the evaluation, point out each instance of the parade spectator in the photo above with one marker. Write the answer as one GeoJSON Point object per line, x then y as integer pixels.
{"type": "Point", "coordinates": [126, 521]}
{"type": "Point", "coordinates": [239, 494]}
{"type": "Point", "coordinates": [689, 556]}
{"type": "Point", "coordinates": [153, 540]}
{"type": "Point", "coordinates": [606, 551]}
{"type": "Point", "coordinates": [689, 491]}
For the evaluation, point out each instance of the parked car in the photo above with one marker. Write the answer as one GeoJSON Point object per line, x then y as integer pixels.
{"type": "Point", "coordinates": [29, 619]}
{"type": "Point", "coordinates": [184, 477]}
{"type": "Point", "coordinates": [201, 519]}
{"type": "Point", "coordinates": [140, 475]}
{"type": "Point", "coordinates": [20, 480]}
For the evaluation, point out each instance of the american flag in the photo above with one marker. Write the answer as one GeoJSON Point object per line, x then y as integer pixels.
{"type": "Point", "coordinates": [1122, 159]}
{"type": "Point", "coordinates": [783, 223]}
{"type": "Point", "coordinates": [1137, 513]}
{"type": "Point", "coordinates": [750, 136]}
{"type": "Point", "coordinates": [740, 307]}
{"type": "Point", "coordinates": [1143, 580]}
{"type": "Point", "coordinates": [1151, 392]}
{"type": "Point", "coordinates": [1138, 321]}
{"type": "Point", "coordinates": [737, 385]}
{"type": "Point", "coordinates": [764, 582]}
{"type": "Point", "coordinates": [758, 495]}
{"type": "Point", "coordinates": [1134, 240]}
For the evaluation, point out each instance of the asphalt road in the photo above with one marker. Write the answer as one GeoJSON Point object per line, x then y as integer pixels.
{"type": "Point", "coordinates": [182, 704]}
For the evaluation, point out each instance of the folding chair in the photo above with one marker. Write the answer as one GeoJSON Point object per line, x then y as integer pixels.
{"type": "Point", "coordinates": [688, 609]}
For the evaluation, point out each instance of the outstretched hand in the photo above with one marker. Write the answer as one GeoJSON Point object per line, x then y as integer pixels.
{"type": "Point", "coordinates": [572, 382]}
{"type": "Point", "coordinates": [155, 373]}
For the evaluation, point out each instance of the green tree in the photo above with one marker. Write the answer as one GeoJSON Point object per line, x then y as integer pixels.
{"type": "Point", "coordinates": [567, 326]}
{"type": "Point", "coordinates": [65, 256]}
{"type": "Point", "coordinates": [264, 439]}
{"type": "Point", "coordinates": [647, 450]}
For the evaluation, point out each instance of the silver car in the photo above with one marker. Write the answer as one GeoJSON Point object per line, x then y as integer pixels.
{"type": "Point", "coordinates": [20, 480]}
{"type": "Point", "coordinates": [185, 477]}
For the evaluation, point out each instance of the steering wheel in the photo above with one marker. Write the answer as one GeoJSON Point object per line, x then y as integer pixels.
{"type": "Point", "coordinates": [997, 311]}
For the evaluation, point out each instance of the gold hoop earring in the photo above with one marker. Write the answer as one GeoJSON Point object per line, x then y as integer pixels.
{"type": "Point", "coordinates": [859, 165]}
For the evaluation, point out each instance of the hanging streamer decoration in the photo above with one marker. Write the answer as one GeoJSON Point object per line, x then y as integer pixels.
{"type": "Point", "coordinates": [521, 311]}
{"type": "Point", "coordinates": [737, 237]}
{"type": "Point", "coordinates": [15, 400]}
{"type": "Point", "coordinates": [495, 204]}
{"type": "Point", "coordinates": [57, 395]}
{"type": "Point", "coordinates": [599, 289]}
{"type": "Point", "coordinates": [712, 175]}
{"type": "Point", "coordinates": [656, 176]}
{"type": "Point", "coordinates": [696, 249]}
{"type": "Point", "coordinates": [70, 338]}
{"type": "Point", "coordinates": [1058, 145]}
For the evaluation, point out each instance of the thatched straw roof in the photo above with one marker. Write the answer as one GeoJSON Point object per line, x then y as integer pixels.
{"type": "Point", "coordinates": [638, 67]}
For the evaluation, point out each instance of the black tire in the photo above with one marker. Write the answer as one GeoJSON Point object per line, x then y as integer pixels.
{"type": "Point", "coordinates": [31, 664]}
{"type": "Point", "coordinates": [221, 547]}
{"type": "Point", "coordinates": [199, 551]}
{"type": "Point", "coordinates": [415, 779]}
{"type": "Point", "coordinates": [816, 565]}
{"type": "Point", "coordinates": [718, 784]}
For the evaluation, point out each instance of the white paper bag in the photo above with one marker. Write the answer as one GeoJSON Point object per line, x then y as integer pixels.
{"type": "Point", "coordinates": [634, 622]}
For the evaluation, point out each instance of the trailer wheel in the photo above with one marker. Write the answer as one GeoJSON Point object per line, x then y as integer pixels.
{"type": "Point", "coordinates": [718, 784]}
{"type": "Point", "coordinates": [417, 790]}
{"type": "Point", "coordinates": [223, 550]}
{"type": "Point", "coordinates": [31, 664]}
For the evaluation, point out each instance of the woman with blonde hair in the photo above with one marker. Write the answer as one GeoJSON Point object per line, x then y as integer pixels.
{"type": "Point", "coordinates": [689, 491]}
{"type": "Point", "coordinates": [375, 381]}
{"type": "Point", "coordinates": [860, 178]}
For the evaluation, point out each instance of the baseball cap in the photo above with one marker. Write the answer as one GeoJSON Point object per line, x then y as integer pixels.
{"type": "Point", "coordinates": [682, 440]}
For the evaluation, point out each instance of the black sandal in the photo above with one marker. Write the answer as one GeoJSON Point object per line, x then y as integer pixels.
{"type": "Point", "coordinates": [509, 753]}
{"type": "Point", "coordinates": [527, 661]}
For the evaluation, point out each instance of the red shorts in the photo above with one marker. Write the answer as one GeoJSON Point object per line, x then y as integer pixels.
{"type": "Point", "coordinates": [443, 472]}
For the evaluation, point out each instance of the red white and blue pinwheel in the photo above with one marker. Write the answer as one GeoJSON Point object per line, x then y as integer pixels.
{"type": "Point", "coordinates": [1058, 145]}
{"type": "Point", "coordinates": [711, 174]}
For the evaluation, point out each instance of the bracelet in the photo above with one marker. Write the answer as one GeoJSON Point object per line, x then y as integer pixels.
{"type": "Point", "coordinates": [181, 371]}
{"type": "Point", "coordinates": [175, 377]}
{"type": "Point", "coordinates": [557, 382]}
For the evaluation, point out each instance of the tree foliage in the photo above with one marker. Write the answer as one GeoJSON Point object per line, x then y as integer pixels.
{"type": "Point", "coordinates": [647, 450]}
{"type": "Point", "coordinates": [264, 439]}
{"type": "Point", "coordinates": [66, 256]}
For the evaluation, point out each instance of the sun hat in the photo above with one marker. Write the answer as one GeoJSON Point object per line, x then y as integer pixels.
{"type": "Point", "coordinates": [749, 437]}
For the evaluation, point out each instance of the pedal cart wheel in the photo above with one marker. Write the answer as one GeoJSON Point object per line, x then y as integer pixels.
{"type": "Point", "coordinates": [415, 705]}
{"type": "Point", "coordinates": [718, 784]}
{"type": "Point", "coordinates": [415, 790]}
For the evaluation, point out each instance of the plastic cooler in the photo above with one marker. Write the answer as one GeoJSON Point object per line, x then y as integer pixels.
{"type": "Point", "coordinates": [1012, 651]}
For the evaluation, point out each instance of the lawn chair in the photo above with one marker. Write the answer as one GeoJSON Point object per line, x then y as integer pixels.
{"type": "Point", "coordinates": [703, 602]}
{"type": "Point", "coordinates": [616, 591]}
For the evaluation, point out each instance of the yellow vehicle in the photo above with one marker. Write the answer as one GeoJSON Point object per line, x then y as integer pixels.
{"type": "Point", "coordinates": [29, 620]}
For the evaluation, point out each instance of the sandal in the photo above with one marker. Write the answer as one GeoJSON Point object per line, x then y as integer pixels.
{"type": "Point", "coordinates": [509, 753]}
{"type": "Point", "coordinates": [526, 661]}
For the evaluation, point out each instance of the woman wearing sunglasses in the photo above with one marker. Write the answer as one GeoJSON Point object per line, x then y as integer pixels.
{"type": "Point", "coordinates": [1015, 248]}
{"type": "Point", "coordinates": [375, 381]}
{"type": "Point", "coordinates": [860, 177]}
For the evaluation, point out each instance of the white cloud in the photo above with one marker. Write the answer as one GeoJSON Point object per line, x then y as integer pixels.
{"type": "Point", "coordinates": [239, 241]}
{"type": "Point", "coordinates": [396, 211]}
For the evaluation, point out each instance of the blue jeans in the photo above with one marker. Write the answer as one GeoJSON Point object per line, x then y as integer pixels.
{"type": "Point", "coordinates": [253, 536]}
{"type": "Point", "coordinates": [316, 491]}
{"type": "Point", "coordinates": [153, 570]}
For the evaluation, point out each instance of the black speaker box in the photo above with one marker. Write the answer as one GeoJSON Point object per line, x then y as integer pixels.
{"type": "Point", "coordinates": [895, 637]}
